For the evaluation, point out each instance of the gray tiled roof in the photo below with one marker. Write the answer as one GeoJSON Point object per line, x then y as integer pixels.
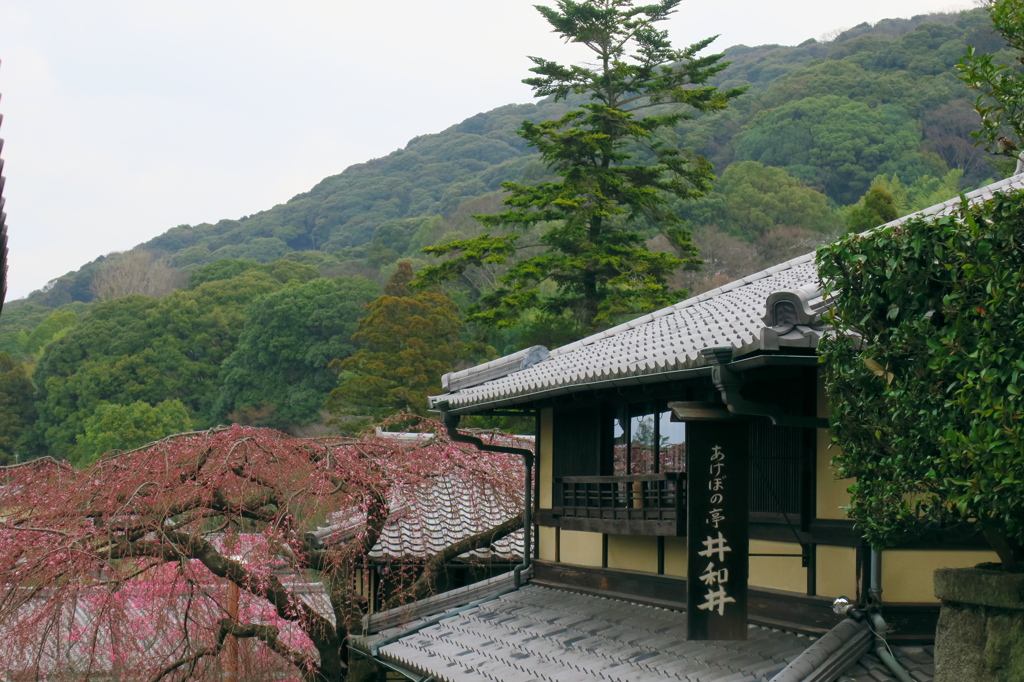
{"type": "Point", "coordinates": [426, 520]}
{"type": "Point", "coordinates": [549, 635]}
{"type": "Point", "coordinates": [545, 634]}
{"type": "Point", "coordinates": [918, 661]}
{"type": "Point", "coordinates": [669, 340]}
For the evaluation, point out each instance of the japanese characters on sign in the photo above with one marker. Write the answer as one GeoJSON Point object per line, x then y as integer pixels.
{"type": "Point", "coordinates": [717, 490]}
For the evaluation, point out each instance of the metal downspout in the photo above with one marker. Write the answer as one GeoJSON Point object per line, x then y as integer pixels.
{"type": "Point", "coordinates": [451, 423]}
{"type": "Point", "coordinates": [878, 626]}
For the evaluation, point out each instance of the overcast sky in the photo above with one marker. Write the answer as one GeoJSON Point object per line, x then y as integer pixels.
{"type": "Point", "coordinates": [123, 118]}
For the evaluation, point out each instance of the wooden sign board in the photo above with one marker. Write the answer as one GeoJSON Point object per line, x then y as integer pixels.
{"type": "Point", "coordinates": [718, 541]}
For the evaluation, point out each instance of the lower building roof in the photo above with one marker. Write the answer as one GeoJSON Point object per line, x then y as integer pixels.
{"type": "Point", "coordinates": [544, 634]}
{"type": "Point", "coordinates": [549, 635]}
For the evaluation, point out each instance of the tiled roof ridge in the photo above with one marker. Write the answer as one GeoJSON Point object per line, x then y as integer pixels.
{"type": "Point", "coordinates": [685, 303]}
{"type": "Point", "coordinates": [834, 652]}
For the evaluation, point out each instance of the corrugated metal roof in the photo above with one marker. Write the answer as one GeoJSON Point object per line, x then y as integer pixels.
{"type": "Point", "coordinates": [669, 340]}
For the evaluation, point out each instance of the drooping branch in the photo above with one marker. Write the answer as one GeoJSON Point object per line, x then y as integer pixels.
{"type": "Point", "coordinates": [426, 584]}
{"type": "Point", "coordinates": [268, 634]}
{"type": "Point", "coordinates": [184, 545]}
{"type": "Point", "coordinates": [135, 538]}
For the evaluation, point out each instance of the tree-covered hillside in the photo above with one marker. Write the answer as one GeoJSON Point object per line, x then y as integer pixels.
{"type": "Point", "coordinates": [238, 320]}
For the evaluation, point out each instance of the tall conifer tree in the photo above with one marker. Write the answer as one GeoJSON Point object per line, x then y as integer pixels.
{"type": "Point", "coordinates": [616, 169]}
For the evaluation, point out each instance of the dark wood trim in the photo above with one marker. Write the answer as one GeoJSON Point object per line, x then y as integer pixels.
{"type": "Point", "coordinates": [811, 615]}
{"type": "Point", "coordinates": [619, 526]}
{"type": "Point", "coordinates": [812, 569]}
{"type": "Point", "coordinates": [675, 476]}
{"type": "Point", "coordinates": [863, 573]}
{"type": "Point", "coordinates": [648, 588]}
{"type": "Point", "coordinates": [830, 532]}
{"type": "Point", "coordinates": [841, 533]}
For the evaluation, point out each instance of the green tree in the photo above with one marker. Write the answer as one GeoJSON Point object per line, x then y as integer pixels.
{"type": "Point", "coordinates": [875, 208]}
{"type": "Point", "coordinates": [125, 427]}
{"type": "Point", "coordinates": [283, 353]}
{"type": "Point", "coordinates": [615, 168]}
{"type": "Point", "coordinates": [760, 198]}
{"type": "Point", "coordinates": [924, 192]}
{"type": "Point", "coordinates": [925, 376]}
{"type": "Point", "coordinates": [53, 327]}
{"type": "Point", "coordinates": [137, 348]}
{"type": "Point", "coordinates": [837, 144]}
{"type": "Point", "coordinates": [226, 268]}
{"type": "Point", "coordinates": [17, 411]}
{"type": "Point", "coordinates": [1001, 102]}
{"type": "Point", "coordinates": [406, 342]}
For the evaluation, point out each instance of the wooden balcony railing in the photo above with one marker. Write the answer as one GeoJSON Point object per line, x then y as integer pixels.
{"type": "Point", "coordinates": [652, 504]}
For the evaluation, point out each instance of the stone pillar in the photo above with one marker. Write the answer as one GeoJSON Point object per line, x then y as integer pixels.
{"type": "Point", "coordinates": [980, 635]}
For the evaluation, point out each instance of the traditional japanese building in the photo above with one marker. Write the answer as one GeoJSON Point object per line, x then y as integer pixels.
{"type": "Point", "coordinates": [625, 522]}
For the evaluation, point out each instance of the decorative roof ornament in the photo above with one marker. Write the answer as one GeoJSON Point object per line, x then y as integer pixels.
{"type": "Point", "coordinates": [792, 318]}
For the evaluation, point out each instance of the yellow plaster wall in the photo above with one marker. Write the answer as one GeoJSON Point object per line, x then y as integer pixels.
{"type": "Point", "coordinates": [836, 574]}
{"type": "Point", "coordinates": [633, 552]}
{"type": "Point", "coordinates": [547, 543]}
{"type": "Point", "coordinates": [545, 456]}
{"type": "Point", "coordinates": [831, 493]}
{"type": "Point", "coordinates": [777, 573]}
{"type": "Point", "coordinates": [580, 548]}
{"type": "Point", "coordinates": [675, 557]}
{"type": "Point", "coordinates": [907, 573]}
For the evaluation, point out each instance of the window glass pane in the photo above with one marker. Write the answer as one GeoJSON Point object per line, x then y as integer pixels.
{"type": "Point", "coordinates": [673, 443]}
{"type": "Point", "coordinates": [620, 444]}
{"type": "Point", "coordinates": [643, 445]}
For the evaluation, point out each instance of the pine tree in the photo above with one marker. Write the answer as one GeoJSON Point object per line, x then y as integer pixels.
{"type": "Point", "coordinates": [616, 167]}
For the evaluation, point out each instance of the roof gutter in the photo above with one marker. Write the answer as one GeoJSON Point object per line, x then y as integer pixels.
{"type": "Point", "coordinates": [636, 380]}
{"type": "Point", "coordinates": [743, 364]}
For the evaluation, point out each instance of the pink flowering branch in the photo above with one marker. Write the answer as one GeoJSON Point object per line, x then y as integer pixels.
{"type": "Point", "coordinates": [122, 568]}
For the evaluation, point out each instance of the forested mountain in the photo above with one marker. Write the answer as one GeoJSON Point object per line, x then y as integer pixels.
{"type": "Point", "coordinates": [224, 320]}
{"type": "Point", "coordinates": [900, 110]}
